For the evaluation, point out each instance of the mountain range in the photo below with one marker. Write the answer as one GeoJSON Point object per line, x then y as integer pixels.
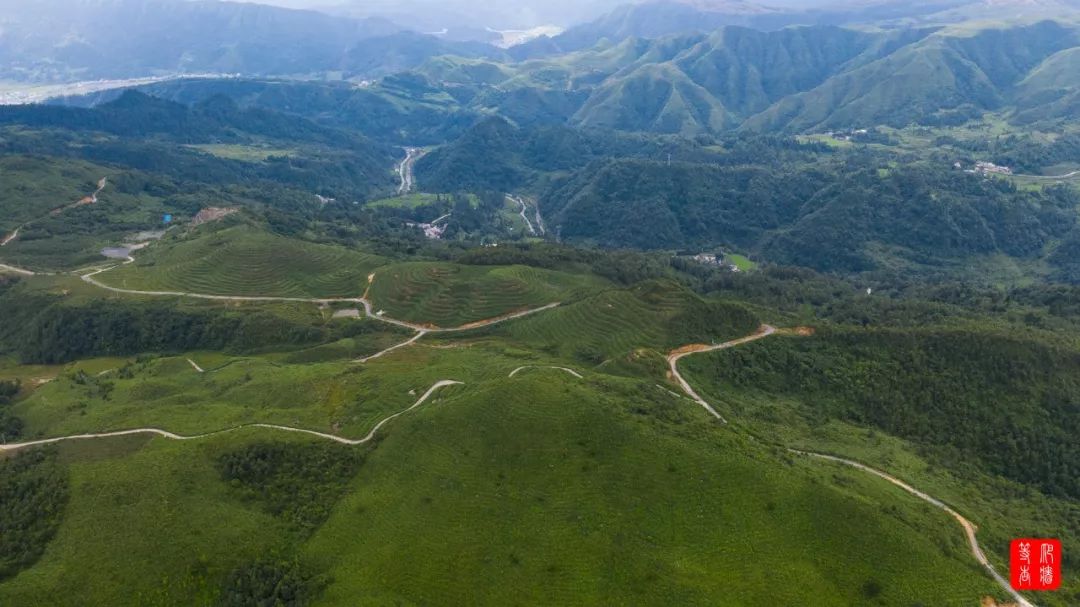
{"type": "Point", "coordinates": [796, 79]}
{"type": "Point", "coordinates": [659, 18]}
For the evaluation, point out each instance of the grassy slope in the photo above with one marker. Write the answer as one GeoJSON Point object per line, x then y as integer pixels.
{"type": "Point", "coordinates": [621, 492]}
{"type": "Point", "coordinates": [147, 522]}
{"type": "Point", "coordinates": [531, 490]}
{"type": "Point", "coordinates": [450, 295]}
{"type": "Point", "coordinates": [243, 260]}
{"type": "Point", "coordinates": [34, 187]}
{"type": "Point", "coordinates": [168, 393]}
{"type": "Point", "coordinates": [618, 323]}
{"type": "Point", "coordinates": [1002, 509]}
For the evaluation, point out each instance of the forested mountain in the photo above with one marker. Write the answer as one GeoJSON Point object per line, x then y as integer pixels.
{"type": "Point", "coordinates": [659, 18]}
{"type": "Point", "coordinates": [186, 142]}
{"type": "Point", "coordinates": [404, 108]}
{"type": "Point", "coordinates": [947, 77]}
{"type": "Point", "coordinates": [799, 79]}
{"type": "Point", "coordinates": [213, 120]}
{"type": "Point", "coordinates": [846, 219]}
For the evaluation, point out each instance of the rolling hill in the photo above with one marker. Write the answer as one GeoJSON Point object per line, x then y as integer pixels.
{"type": "Point", "coordinates": [244, 260]}
{"type": "Point", "coordinates": [796, 79]}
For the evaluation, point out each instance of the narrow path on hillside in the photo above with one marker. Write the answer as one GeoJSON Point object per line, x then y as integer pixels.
{"type": "Point", "coordinates": [11, 236]}
{"type": "Point", "coordinates": [174, 436]}
{"type": "Point", "coordinates": [93, 198]}
{"type": "Point", "coordinates": [412, 340]}
{"type": "Point", "coordinates": [568, 370]}
{"type": "Point", "coordinates": [364, 300]}
{"type": "Point", "coordinates": [24, 272]}
{"type": "Point", "coordinates": [1065, 176]}
{"type": "Point", "coordinates": [674, 357]}
{"type": "Point", "coordinates": [369, 311]}
{"type": "Point", "coordinates": [968, 526]}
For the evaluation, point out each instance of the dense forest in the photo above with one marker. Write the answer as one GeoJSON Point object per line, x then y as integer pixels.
{"type": "Point", "coordinates": [1005, 404]}
{"type": "Point", "coordinates": [49, 330]}
{"type": "Point", "coordinates": [33, 493]}
{"type": "Point", "coordinates": [841, 218]}
{"type": "Point", "coordinates": [298, 482]}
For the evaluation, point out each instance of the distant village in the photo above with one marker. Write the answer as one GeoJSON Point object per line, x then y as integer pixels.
{"type": "Point", "coordinates": [713, 259]}
{"type": "Point", "coordinates": [847, 135]}
{"type": "Point", "coordinates": [985, 168]}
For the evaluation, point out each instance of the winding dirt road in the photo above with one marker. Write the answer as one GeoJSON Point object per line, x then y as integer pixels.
{"type": "Point", "coordinates": [1065, 176]}
{"type": "Point", "coordinates": [405, 169]}
{"type": "Point", "coordinates": [364, 300]}
{"type": "Point", "coordinates": [524, 207]}
{"type": "Point", "coordinates": [11, 236]}
{"type": "Point", "coordinates": [91, 199]}
{"type": "Point", "coordinates": [968, 527]}
{"type": "Point", "coordinates": [174, 436]}
{"type": "Point", "coordinates": [568, 370]}
{"type": "Point", "coordinates": [5, 267]}
{"type": "Point", "coordinates": [674, 357]}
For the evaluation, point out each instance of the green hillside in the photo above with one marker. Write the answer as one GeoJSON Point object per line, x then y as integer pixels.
{"type": "Point", "coordinates": [722, 309]}
{"type": "Point", "coordinates": [630, 326]}
{"type": "Point", "coordinates": [449, 295]}
{"type": "Point", "coordinates": [544, 464]}
{"type": "Point", "coordinates": [858, 220]}
{"type": "Point", "coordinates": [797, 79]}
{"type": "Point", "coordinates": [656, 98]}
{"type": "Point", "coordinates": [244, 260]}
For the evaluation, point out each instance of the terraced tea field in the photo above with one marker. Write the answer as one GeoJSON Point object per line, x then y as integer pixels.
{"type": "Point", "coordinates": [448, 295]}
{"type": "Point", "coordinates": [657, 316]}
{"type": "Point", "coordinates": [243, 260]}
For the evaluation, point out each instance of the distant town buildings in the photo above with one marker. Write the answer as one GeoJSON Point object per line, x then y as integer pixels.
{"type": "Point", "coordinates": [714, 259]}
{"type": "Point", "coordinates": [710, 259]}
{"type": "Point", "coordinates": [847, 135]}
{"type": "Point", "coordinates": [986, 168]}
{"type": "Point", "coordinates": [432, 230]}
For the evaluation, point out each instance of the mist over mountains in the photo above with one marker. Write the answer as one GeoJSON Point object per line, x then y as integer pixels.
{"type": "Point", "coordinates": [665, 67]}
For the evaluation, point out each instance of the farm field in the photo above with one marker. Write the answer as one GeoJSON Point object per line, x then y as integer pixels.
{"type": "Point", "coordinates": [246, 261]}
{"type": "Point", "coordinates": [448, 295]}
{"type": "Point", "coordinates": [244, 153]}
{"type": "Point", "coordinates": [620, 325]}
{"type": "Point", "coordinates": [407, 201]}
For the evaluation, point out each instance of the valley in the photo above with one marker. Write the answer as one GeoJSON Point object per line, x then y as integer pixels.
{"type": "Point", "coordinates": [675, 303]}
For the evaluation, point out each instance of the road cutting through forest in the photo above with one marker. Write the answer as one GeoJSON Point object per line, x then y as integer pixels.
{"type": "Point", "coordinates": [767, 330]}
